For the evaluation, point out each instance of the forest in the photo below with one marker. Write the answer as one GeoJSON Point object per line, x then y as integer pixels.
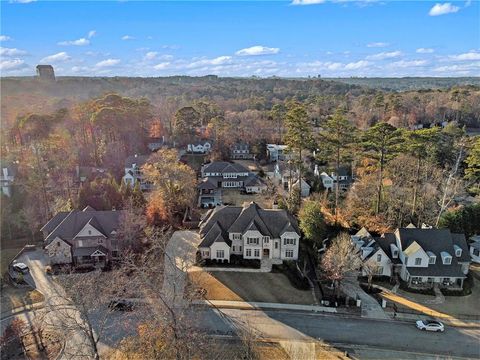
{"type": "Point", "coordinates": [412, 152]}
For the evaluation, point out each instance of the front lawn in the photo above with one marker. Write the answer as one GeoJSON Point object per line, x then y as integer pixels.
{"type": "Point", "coordinates": [250, 287]}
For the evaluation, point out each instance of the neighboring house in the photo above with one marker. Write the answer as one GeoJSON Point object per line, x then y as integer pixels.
{"type": "Point", "coordinates": [225, 175]}
{"type": "Point", "coordinates": [378, 254]}
{"type": "Point", "coordinates": [133, 172]}
{"type": "Point", "coordinates": [155, 144]}
{"type": "Point", "coordinates": [7, 177]}
{"type": "Point", "coordinates": [241, 151]}
{"type": "Point", "coordinates": [85, 239]}
{"type": "Point", "coordinates": [344, 179]}
{"type": "Point", "coordinates": [277, 152]}
{"type": "Point", "coordinates": [432, 256]}
{"type": "Point", "coordinates": [250, 232]}
{"type": "Point", "coordinates": [305, 188]}
{"type": "Point", "coordinates": [201, 147]}
{"type": "Point", "coordinates": [421, 257]}
{"type": "Point", "coordinates": [475, 248]}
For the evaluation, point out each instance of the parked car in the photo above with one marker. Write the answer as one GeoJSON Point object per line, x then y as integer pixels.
{"type": "Point", "coordinates": [21, 268]}
{"type": "Point", "coordinates": [430, 325]}
{"type": "Point", "coordinates": [121, 305]}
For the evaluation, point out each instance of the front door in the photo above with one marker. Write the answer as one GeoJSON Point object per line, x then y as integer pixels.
{"type": "Point", "coordinates": [266, 253]}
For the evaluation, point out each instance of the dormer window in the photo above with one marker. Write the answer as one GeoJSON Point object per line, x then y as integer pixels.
{"type": "Point", "coordinates": [379, 257]}
{"type": "Point", "coordinates": [446, 258]}
{"type": "Point", "coordinates": [458, 250]}
{"type": "Point", "coordinates": [418, 261]}
{"type": "Point", "coordinates": [432, 258]}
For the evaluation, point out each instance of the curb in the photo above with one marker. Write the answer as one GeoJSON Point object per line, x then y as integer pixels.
{"type": "Point", "coordinates": [325, 313]}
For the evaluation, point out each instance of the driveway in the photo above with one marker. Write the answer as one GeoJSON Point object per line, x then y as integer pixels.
{"type": "Point", "coordinates": [370, 306]}
{"type": "Point", "coordinates": [179, 257]}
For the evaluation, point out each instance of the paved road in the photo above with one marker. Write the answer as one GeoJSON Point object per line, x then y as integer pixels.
{"type": "Point", "coordinates": [332, 329]}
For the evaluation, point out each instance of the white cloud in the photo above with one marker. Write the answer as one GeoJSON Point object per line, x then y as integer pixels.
{"type": "Point", "coordinates": [150, 55]}
{"type": "Point", "coordinates": [79, 42]}
{"type": "Point", "coordinates": [378, 45]}
{"type": "Point", "coordinates": [471, 68]}
{"type": "Point", "coordinates": [13, 64]}
{"type": "Point", "coordinates": [257, 50]}
{"type": "Point", "coordinates": [9, 52]}
{"type": "Point", "coordinates": [408, 63]}
{"type": "Point", "coordinates": [442, 9]}
{"type": "Point", "coordinates": [23, 1]}
{"type": "Point", "coordinates": [56, 58]}
{"type": "Point", "coordinates": [471, 55]}
{"type": "Point", "coordinates": [205, 62]}
{"type": "Point", "coordinates": [307, 2]}
{"type": "Point", "coordinates": [5, 38]}
{"type": "Point", "coordinates": [385, 55]}
{"type": "Point", "coordinates": [162, 66]}
{"type": "Point", "coordinates": [424, 51]}
{"type": "Point", "coordinates": [107, 63]}
{"type": "Point", "coordinates": [468, 3]}
{"type": "Point", "coordinates": [91, 33]}
{"type": "Point", "coordinates": [357, 65]}
{"type": "Point", "coordinates": [127, 37]}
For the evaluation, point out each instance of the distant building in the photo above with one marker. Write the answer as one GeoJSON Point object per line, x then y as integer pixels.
{"type": "Point", "coordinates": [45, 72]}
{"type": "Point", "coordinates": [241, 151]}
{"type": "Point", "coordinates": [278, 152]}
{"type": "Point", "coordinates": [133, 172]}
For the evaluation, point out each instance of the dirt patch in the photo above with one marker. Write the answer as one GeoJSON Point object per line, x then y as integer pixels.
{"type": "Point", "coordinates": [255, 287]}
{"type": "Point", "coordinates": [234, 197]}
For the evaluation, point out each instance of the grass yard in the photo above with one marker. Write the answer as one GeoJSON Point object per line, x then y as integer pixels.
{"type": "Point", "coordinates": [231, 196]}
{"type": "Point", "coordinates": [250, 287]}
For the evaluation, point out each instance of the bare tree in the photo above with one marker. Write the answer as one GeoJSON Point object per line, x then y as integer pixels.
{"type": "Point", "coordinates": [340, 259]}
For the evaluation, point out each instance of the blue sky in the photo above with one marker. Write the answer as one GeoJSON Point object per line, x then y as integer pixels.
{"type": "Point", "coordinates": [293, 38]}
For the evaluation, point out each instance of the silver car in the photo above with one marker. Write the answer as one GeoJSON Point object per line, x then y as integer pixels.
{"type": "Point", "coordinates": [430, 325]}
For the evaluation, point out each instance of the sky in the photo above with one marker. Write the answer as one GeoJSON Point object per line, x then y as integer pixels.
{"type": "Point", "coordinates": [294, 38]}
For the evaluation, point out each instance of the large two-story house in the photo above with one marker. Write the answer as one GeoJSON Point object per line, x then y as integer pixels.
{"type": "Point", "coordinates": [220, 175]}
{"type": "Point", "coordinates": [86, 238]}
{"type": "Point", "coordinates": [133, 172]}
{"type": "Point", "coordinates": [422, 258]}
{"type": "Point", "coordinates": [250, 232]}
{"type": "Point", "coordinates": [241, 151]}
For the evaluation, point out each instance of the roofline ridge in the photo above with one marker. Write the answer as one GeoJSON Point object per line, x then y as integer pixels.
{"type": "Point", "coordinates": [61, 222]}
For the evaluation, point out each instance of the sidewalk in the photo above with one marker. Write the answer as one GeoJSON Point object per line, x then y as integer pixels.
{"type": "Point", "coordinates": [243, 305]}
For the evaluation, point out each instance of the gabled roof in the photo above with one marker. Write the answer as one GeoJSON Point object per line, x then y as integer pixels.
{"type": "Point", "coordinates": [54, 222]}
{"type": "Point", "coordinates": [88, 251]}
{"type": "Point", "coordinates": [207, 184]}
{"type": "Point", "coordinates": [363, 233]}
{"type": "Point", "coordinates": [234, 219]}
{"type": "Point", "coordinates": [412, 248]}
{"type": "Point", "coordinates": [435, 241]}
{"type": "Point", "coordinates": [224, 166]}
{"type": "Point", "coordinates": [215, 234]}
{"type": "Point", "coordinates": [74, 221]}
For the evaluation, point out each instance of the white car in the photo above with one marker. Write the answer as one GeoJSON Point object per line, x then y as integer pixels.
{"type": "Point", "coordinates": [430, 325]}
{"type": "Point", "coordinates": [20, 267]}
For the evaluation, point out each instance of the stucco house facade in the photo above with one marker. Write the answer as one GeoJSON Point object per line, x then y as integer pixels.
{"type": "Point", "coordinates": [250, 232]}
{"type": "Point", "coordinates": [84, 239]}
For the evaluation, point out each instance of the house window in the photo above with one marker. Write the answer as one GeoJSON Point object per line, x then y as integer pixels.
{"type": "Point", "coordinates": [476, 252]}
{"type": "Point", "coordinates": [100, 241]}
{"type": "Point", "coordinates": [458, 252]}
{"type": "Point", "coordinates": [379, 270]}
{"type": "Point", "coordinates": [395, 253]}
{"type": "Point", "coordinates": [276, 244]}
{"type": "Point", "coordinates": [379, 257]}
{"type": "Point", "coordinates": [253, 241]}
{"type": "Point", "coordinates": [248, 252]}
{"type": "Point", "coordinates": [80, 243]}
{"type": "Point", "coordinates": [418, 261]}
{"type": "Point", "coordinates": [89, 232]}
{"type": "Point", "coordinates": [233, 248]}
{"type": "Point", "coordinates": [431, 260]}
{"type": "Point", "coordinates": [257, 253]}
{"type": "Point", "coordinates": [240, 248]}
{"type": "Point", "coordinates": [220, 254]}
{"type": "Point", "coordinates": [205, 253]}
{"type": "Point", "coordinates": [288, 241]}
{"type": "Point", "coordinates": [266, 239]}
{"type": "Point", "coordinates": [237, 236]}
{"type": "Point", "coordinates": [289, 254]}
{"type": "Point", "coordinates": [114, 253]}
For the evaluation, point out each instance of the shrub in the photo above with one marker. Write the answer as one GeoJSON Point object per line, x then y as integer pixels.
{"type": "Point", "coordinates": [404, 286]}
{"type": "Point", "coordinates": [467, 288]}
